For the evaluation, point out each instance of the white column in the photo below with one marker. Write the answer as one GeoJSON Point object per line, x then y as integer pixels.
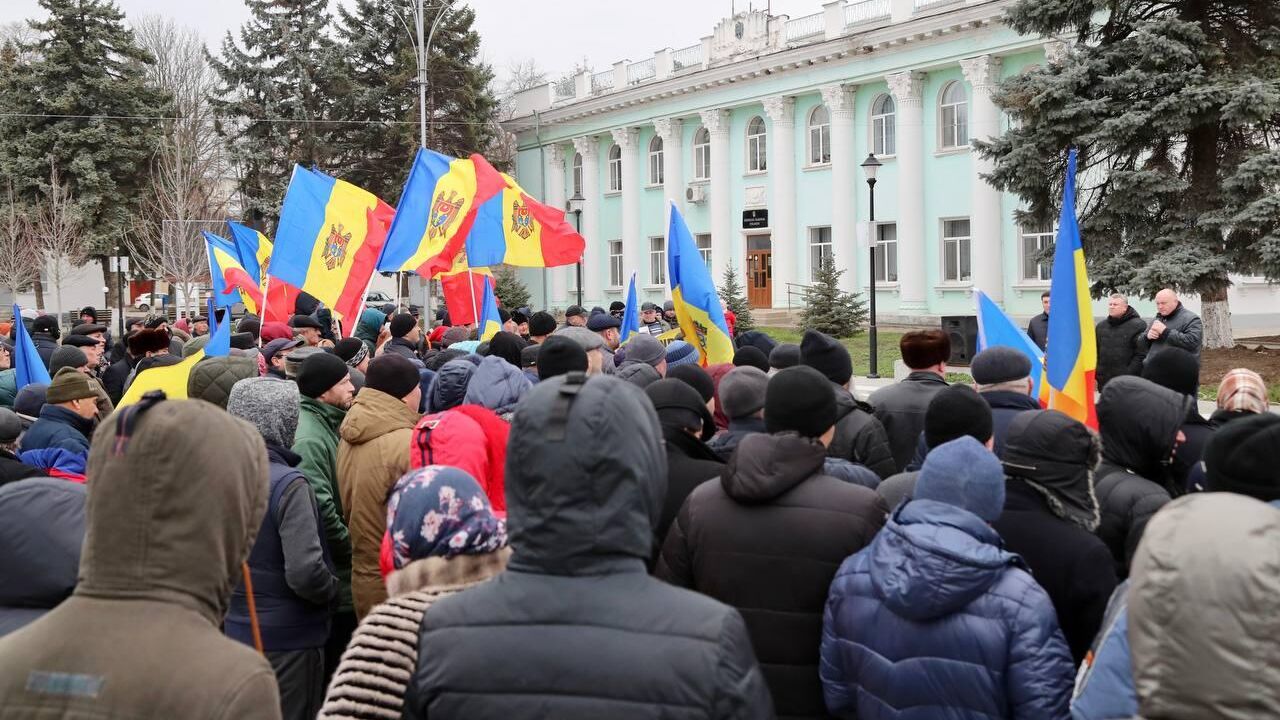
{"type": "Point", "coordinates": [717, 124]}
{"type": "Point", "coordinates": [906, 88]}
{"type": "Point", "coordinates": [628, 140]}
{"type": "Point", "coordinates": [782, 203]}
{"type": "Point", "coordinates": [671, 130]}
{"type": "Point", "coordinates": [555, 198]}
{"type": "Point", "coordinates": [844, 186]}
{"type": "Point", "coordinates": [983, 73]}
{"type": "Point", "coordinates": [596, 247]}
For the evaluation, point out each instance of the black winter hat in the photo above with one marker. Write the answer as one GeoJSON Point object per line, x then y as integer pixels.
{"type": "Point", "coordinates": [529, 355]}
{"type": "Point", "coordinates": [697, 378]}
{"type": "Point", "coordinates": [349, 348]}
{"type": "Point", "coordinates": [519, 318]}
{"type": "Point", "coordinates": [1175, 369]}
{"type": "Point", "coordinates": [305, 321]}
{"type": "Point", "coordinates": [617, 306]}
{"type": "Point", "coordinates": [402, 324]}
{"type": "Point", "coordinates": [243, 341]}
{"type": "Point", "coordinates": [504, 315]}
{"type": "Point", "coordinates": [88, 329]}
{"type": "Point", "coordinates": [956, 411]}
{"type": "Point", "coordinates": [79, 341]}
{"type": "Point", "coordinates": [602, 321]}
{"type": "Point", "coordinates": [319, 372]}
{"type": "Point", "coordinates": [751, 356]}
{"type": "Point", "coordinates": [392, 374]}
{"type": "Point", "coordinates": [506, 346]}
{"type": "Point", "coordinates": [574, 311]}
{"type": "Point", "coordinates": [542, 323]}
{"type": "Point", "coordinates": [67, 356]}
{"type": "Point", "coordinates": [249, 324]}
{"type": "Point", "coordinates": [1243, 456]}
{"type": "Point", "coordinates": [998, 364]}
{"type": "Point", "coordinates": [90, 311]}
{"type": "Point", "coordinates": [799, 399]}
{"type": "Point", "coordinates": [785, 355]}
{"type": "Point", "coordinates": [47, 324]}
{"type": "Point", "coordinates": [826, 355]}
{"type": "Point", "coordinates": [680, 406]}
{"type": "Point", "coordinates": [757, 339]}
{"type": "Point", "coordinates": [560, 355]}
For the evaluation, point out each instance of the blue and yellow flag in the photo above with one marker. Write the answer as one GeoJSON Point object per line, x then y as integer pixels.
{"type": "Point", "coordinates": [172, 379]}
{"type": "Point", "coordinates": [512, 228]}
{"type": "Point", "coordinates": [698, 309]}
{"type": "Point", "coordinates": [1071, 356]}
{"type": "Point", "coordinates": [26, 359]}
{"type": "Point", "coordinates": [631, 314]}
{"type": "Point", "coordinates": [995, 328]}
{"type": "Point", "coordinates": [490, 320]}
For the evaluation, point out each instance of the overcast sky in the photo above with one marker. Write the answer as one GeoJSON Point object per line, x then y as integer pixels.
{"type": "Point", "coordinates": [556, 33]}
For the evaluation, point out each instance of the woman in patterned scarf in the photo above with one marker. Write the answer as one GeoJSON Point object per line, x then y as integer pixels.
{"type": "Point", "coordinates": [442, 537]}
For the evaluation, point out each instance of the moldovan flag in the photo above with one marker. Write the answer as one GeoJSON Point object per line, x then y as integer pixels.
{"type": "Point", "coordinates": [26, 359]}
{"type": "Point", "coordinates": [996, 329]}
{"type": "Point", "coordinates": [436, 212]}
{"type": "Point", "coordinates": [698, 309]}
{"type": "Point", "coordinates": [630, 314]}
{"type": "Point", "coordinates": [514, 229]}
{"type": "Point", "coordinates": [172, 379]}
{"type": "Point", "coordinates": [229, 275]}
{"type": "Point", "coordinates": [328, 240]}
{"type": "Point", "coordinates": [1072, 352]}
{"type": "Point", "coordinates": [254, 250]}
{"type": "Point", "coordinates": [490, 321]}
{"type": "Point", "coordinates": [463, 289]}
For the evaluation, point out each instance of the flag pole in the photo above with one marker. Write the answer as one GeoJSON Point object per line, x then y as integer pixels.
{"type": "Point", "coordinates": [475, 310]}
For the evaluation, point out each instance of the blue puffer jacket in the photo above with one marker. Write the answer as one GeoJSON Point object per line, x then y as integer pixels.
{"type": "Point", "coordinates": [934, 620]}
{"type": "Point", "coordinates": [450, 385]}
{"type": "Point", "coordinates": [1104, 690]}
{"type": "Point", "coordinates": [58, 427]}
{"type": "Point", "coordinates": [497, 385]}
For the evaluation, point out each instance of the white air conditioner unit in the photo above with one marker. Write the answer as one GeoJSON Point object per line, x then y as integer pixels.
{"type": "Point", "coordinates": [696, 193]}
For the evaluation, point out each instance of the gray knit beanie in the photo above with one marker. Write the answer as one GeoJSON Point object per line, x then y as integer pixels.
{"type": "Point", "coordinates": [269, 404]}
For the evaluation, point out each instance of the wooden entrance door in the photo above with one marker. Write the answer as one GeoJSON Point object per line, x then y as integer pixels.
{"type": "Point", "coordinates": [760, 278]}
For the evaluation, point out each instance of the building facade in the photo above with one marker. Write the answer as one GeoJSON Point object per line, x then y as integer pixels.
{"type": "Point", "coordinates": [758, 132]}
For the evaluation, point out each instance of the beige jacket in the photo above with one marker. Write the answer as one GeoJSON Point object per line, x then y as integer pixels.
{"type": "Point", "coordinates": [170, 518]}
{"type": "Point", "coordinates": [1203, 627]}
{"type": "Point", "coordinates": [372, 455]}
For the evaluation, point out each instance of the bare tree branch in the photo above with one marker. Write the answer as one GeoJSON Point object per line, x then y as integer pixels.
{"type": "Point", "coordinates": [20, 259]}
{"type": "Point", "coordinates": [58, 230]}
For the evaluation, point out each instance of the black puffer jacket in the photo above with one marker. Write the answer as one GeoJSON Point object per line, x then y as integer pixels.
{"type": "Point", "coordinates": [41, 530]}
{"type": "Point", "coordinates": [860, 437]}
{"type": "Point", "coordinates": [1139, 422]}
{"type": "Point", "coordinates": [900, 407]}
{"type": "Point", "coordinates": [689, 464]}
{"type": "Point", "coordinates": [575, 627]}
{"type": "Point", "coordinates": [1121, 347]}
{"type": "Point", "coordinates": [767, 539]}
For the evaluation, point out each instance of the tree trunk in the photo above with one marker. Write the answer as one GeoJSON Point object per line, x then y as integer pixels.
{"type": "Point", "coordinates": [38, 287]}
{"type": "Point", "coordinates": [109, 280]}
{"type": "Point", "coordinates": [1215, 314]}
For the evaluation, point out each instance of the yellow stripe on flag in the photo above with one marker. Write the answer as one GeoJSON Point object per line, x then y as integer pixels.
{"type": "Point", "coordinates": [172, 379]}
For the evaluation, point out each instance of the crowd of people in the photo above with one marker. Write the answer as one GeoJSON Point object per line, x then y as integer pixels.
{"type": "Point", "coordinates": [410, 523]}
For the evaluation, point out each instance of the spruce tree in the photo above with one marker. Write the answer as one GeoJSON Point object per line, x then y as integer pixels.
{"type": "Point", "coordinates": [1174, 107]}
{"type": "Point", "coordinates": [376, 91]}
{"type": "Point", "coordinates": [275, 98]}
{"type": "Point", "coordinates": [734, 297]}
{"type": "Point", "coordinates": [830, 310]}
{"type": "Point", "coordinates": [78, 99]}
{"type": "Point", "coordinates": [511, 292]}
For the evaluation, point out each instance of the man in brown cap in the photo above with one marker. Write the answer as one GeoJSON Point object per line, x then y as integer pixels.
{"type": "Point", "coordinates": [66, 420]}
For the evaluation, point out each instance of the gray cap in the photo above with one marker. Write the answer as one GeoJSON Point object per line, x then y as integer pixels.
{"type": "Point", "coordinates": [645, 348]}
{"type": "Point", "coordinates": [639, 374]}
{"type": "Point", "coordinates": [10, 426]}
{"type": "Point", "coordinates": [999, 364]}
{"type": "Point", "coordinates": [293, 361]}
{"type": "Point", "coordinates": [742, 391]}
{"type": "Point", "coordinates": [584, 337]}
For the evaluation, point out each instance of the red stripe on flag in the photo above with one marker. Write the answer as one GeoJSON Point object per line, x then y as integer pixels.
{"type": "Point", "coordinates": [238, 279]}
{"type": "Point", "coordinates": [280, 300]}
{"type": "Point", "coordinates": [458, 298]}
{"type": "Point", "coordinates": [561, 244]}
{"type": "Point", "coordinates": [351, 298]}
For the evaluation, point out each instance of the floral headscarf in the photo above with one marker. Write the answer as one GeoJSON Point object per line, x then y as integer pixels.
{"type": "Point", "coordinates": [441, 511]}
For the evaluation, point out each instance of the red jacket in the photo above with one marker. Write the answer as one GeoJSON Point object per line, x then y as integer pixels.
{"type": "Point", "coordinates": [470, 438]}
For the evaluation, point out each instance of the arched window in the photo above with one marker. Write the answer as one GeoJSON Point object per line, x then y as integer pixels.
{"type": "Point", "coordinates": [702, 154]}
{"type": "Point", "coordinates": [883, 126]}
{"type": "Point", "coordinates": [954, 120]}
{"type": "Point", "coordinates": [577, 174]}
{"type": "Point", "coordinates": [655, 160]}
{"type": "Point", "coordinates": [615, 168]}
{"type": "Point", "coordinates": [819, 136]}
{"type": "Point", "coordinates": [756, 150]}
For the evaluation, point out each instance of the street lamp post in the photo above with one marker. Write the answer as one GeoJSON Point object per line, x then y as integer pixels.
{"type": "Point", "coordinates": [869, 168]}
{"type": "Point", "coordinates": [574, 205]}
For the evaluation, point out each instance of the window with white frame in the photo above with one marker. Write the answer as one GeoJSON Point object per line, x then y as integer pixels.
{"type": "Point", "coordinates": [954, 119]}
{"type": "Point", "coordinates": [615, 263]}
{"type": "Point", "coordinates": [702, 154]}
{"type": "Point", "coordinates": [887, 253]}
{"type": "Point", "coordinates": [577, 174]}
{"type": "Point", "coordinates": [956, 266]}
{"type": "Point", "coordinates": [819, 249]}
{"type": "Point", "coordinates": [884, 129]}
{"type": "Point", "coordinates": [655, 161]}
{"type": "Point", "coordinates": [704, 247]}
{"type": "Point", "coordinates": [819, 136]}
{"type": "Point", "coordinates": [615, 169]}
{"type": "Point", "coordinates": [756, 150]}
{"type": "Point", "coordinates": [1035, 240]}
{"type": "Point", "coordinates": [657, 260]}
